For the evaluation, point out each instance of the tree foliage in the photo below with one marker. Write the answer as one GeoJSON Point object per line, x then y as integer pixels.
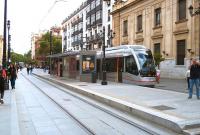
{"type": "Point", "coordinates": [15, 57]}
{"type": "Point", "coordinates": [26, 58]}
{"type": "Point", "coordinates": [44, 42]}
{"type": "Point", "coordinates": [158, 58]}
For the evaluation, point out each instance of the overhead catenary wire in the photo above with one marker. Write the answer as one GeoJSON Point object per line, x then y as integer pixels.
{"type": "Point", "coordinates": [50, 9]}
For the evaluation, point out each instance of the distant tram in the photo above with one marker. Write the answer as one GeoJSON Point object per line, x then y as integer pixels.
{"type": "Point", "coordinates": [129, 64]}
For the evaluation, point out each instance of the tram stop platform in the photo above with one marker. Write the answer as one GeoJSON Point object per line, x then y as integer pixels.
{"type": "Point", "coordinates": [173, 110]}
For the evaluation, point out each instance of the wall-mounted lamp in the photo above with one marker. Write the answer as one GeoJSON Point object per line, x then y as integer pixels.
{"type": "Point", "coordinates": [190, 51]}
{"type": "Point", "coordinates": [108, 2]}
{"type": "Point", "coordinates": [165, 53]}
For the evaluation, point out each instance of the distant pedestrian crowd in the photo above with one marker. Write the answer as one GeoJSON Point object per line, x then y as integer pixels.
{"type": "Point", "coordinates": [29, 69]}
{"type": "Point", "coordinates": [193, 78]}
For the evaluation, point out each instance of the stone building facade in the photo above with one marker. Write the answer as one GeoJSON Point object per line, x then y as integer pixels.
{"type": "Point", "coordinates": [164, 26]}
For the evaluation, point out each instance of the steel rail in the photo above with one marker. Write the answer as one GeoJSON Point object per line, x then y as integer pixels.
{"type": "Point", "coordinates": [81, 125]}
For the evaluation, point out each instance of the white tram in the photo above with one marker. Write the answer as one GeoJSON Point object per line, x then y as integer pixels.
{"type": "Point", "coordinates": [128, 64]}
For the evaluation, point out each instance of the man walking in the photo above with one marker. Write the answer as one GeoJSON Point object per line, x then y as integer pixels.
{"type": "Point", "coordinates": [13, 75]}
{"type": "Point", "coordinates": [194, 78]}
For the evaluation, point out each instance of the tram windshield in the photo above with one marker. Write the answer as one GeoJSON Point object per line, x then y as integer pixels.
{"type": "Point", "coordinates": [146, 62]}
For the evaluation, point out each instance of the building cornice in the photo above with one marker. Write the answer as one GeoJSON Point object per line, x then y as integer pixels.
{"type": "Point", "coordinates": [157, 36]}
{"type": "Point", "coordinates": [140, 39]}
{"type": "Point", "coordinates": [75, 12]}
{"type": "Point", "coordinates": [123, 5]}
{"type": "Point", "coordinates": [177, 32]}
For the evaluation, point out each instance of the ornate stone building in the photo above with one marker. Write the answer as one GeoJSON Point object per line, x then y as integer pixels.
{"type": "Point", "coordinates": [1, 49]}
{"type": "Point", "coordinates": [164, 26]}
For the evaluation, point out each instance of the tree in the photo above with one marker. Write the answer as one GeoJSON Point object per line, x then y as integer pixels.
{"type": "Point", "coordinates": [15, 57]}
{"type": "Point", "coordinates": [57, 45]}
{"type": "Point", "coordinates": [27, 57]}
{"type": "Point", "coordinates": [158, 58]}
{"type": "Point", "coordinates": [44, 43]}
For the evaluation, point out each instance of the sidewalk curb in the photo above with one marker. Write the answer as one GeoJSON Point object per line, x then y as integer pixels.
{"type": "Point", "coordinates": [146, 113]}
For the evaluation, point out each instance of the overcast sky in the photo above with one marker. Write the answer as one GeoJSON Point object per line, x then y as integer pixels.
{"type": "Point", "coordinates": [27, 16]}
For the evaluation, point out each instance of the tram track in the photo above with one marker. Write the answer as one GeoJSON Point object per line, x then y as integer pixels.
{"type": "Point", "coordinates": [81, 124]}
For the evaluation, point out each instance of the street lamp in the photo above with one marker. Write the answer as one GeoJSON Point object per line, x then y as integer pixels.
{"type": "Point", "coordinates": [193, 12]}
{"type": "Point", "coordinates": [4, 35]}
{"type": "Point", "coordinates": [111, 35]}
{"type": "Point", "coordinates": [104, 82]}
{"type": "Point", "coordinates": [9, 38]}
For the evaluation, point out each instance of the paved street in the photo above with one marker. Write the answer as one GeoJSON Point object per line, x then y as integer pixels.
{"type": "Point", "coordinates": [179, 85]}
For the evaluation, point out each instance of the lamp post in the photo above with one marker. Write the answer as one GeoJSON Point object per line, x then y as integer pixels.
{"type": "Point", "coordinates": [9, 38]}
{"type": "Point", "coordinates": [111, 35]}
{"type": "Point", "coordinates": [193, 12]}
{"type": "Point", "coordinates": [4, 35]}
{"type": "Point", "coordinates": [104, 82]}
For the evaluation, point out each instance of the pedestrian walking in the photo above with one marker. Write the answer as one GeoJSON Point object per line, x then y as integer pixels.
{"type": "Point", "coordinates": [27, 68]}
{"type": "Point", "coordinates": [187, 75]}
{"type": "Point", "coordinates": [194, 78]}
{"type": "Point", "coordinates": [2, 81]}
{"type": "Point", "coordinates": [31, 69]}
{"type": "Point", "coordinates": [13, 75]}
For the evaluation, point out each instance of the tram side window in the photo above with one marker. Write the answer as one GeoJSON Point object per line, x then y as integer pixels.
{"type": "Point", "coordinates": [131, 66]}
{"type": "Point", "coordinates": [111, 65]}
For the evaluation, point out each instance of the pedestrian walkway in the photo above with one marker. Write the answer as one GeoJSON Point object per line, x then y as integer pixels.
{"type": "Point", "coordinates": [8, 115]}
{"type": "Point", "coordinates": [168, 108]}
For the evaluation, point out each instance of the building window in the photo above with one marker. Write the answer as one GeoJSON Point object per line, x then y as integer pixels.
{"type": "Point", "coordinates": [80, 36]}
{"type": "Point", "coordinates": [80, 25]}
{"type": "Point", "coordinates": [92, 18]}
{"type": "Point", "coordinates": [157, 48]}
{"type": "Point", "coordinates": [125, 28]}
{"type": "Point", "coordinates": [88, 8]}
{"type": "Point", "coordinates": [139, 23]}
{"type": "Point", "coordinates": [76, 37]}
{"type": "Point", "coordinates": [180, 52]}
{"type": "Point", "coordinates": [109, 29]}
{"type": "Point", "coordinates": [88, 21]}
{"type": "Point", "coordinates": [75, 27]}
{"type": "Point", "coordinates": [98, 15]}
{"type": "Point", "coordinates": [98, 2]}
{"type": "Point", "coordinates": [181, 9]}
{"type": "Point", "coordinates": [108, 15]}
{"type": "Point", "coordinates": [93, 5]}
{"type": "Point", "coordinates": [157, 16]}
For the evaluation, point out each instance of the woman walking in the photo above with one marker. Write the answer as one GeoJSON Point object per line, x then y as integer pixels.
{"type": "Point", "coordinates": [13, 75]}
{"type": "Point", "coordinates": [2, 80]}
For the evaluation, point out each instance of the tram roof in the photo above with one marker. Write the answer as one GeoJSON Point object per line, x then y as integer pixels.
{"type": "Point", "coordinates": [126, 47]}
{"type": "Point", "coordinates": [68, 53]}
